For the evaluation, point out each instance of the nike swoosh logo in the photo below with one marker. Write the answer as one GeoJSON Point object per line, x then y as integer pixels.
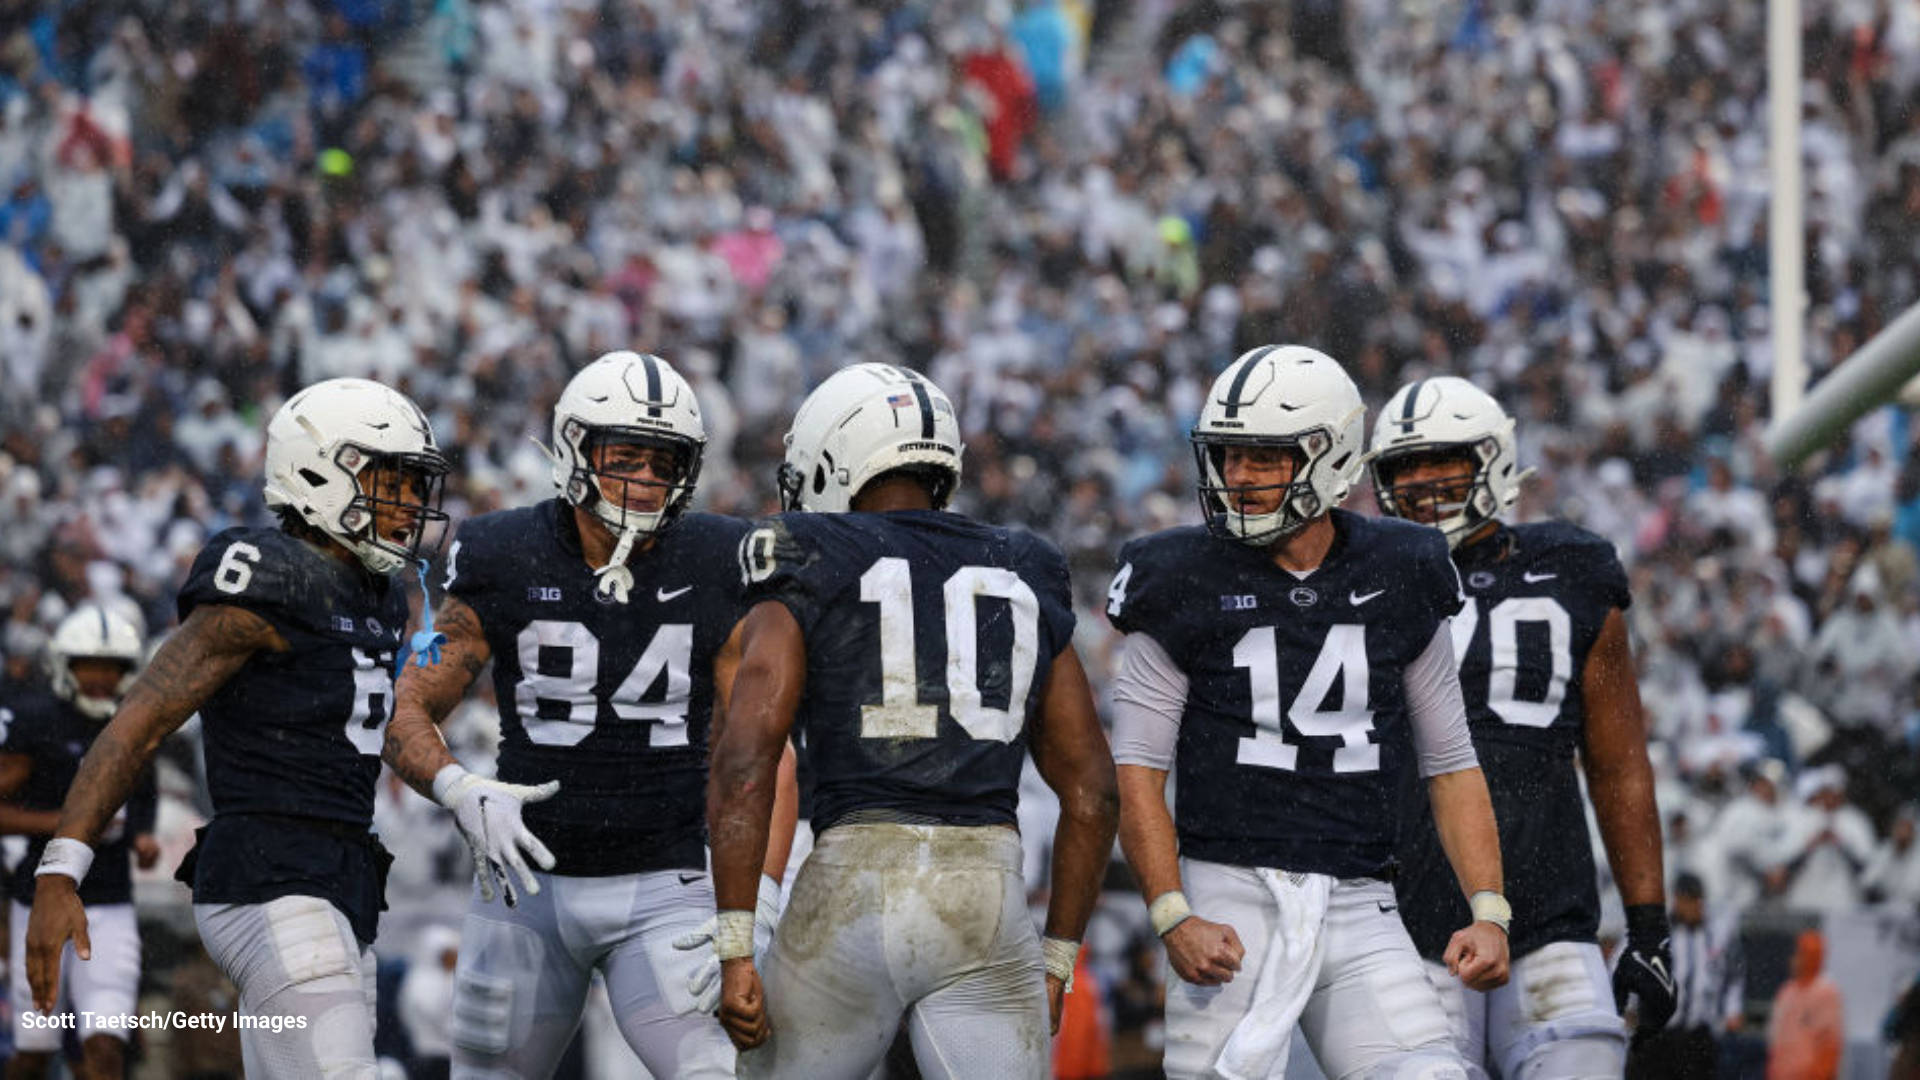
{"type": "Point", "coordinates": [1356, 599]}
{"type": "Point", "coordinates": [1387, 909]}
{"type": "Point", "coordinates": [688, 879]}
{"type": "Point", "coordinates": [663, 595]}
{"type": "Point", "coordinates": [1531, 578]}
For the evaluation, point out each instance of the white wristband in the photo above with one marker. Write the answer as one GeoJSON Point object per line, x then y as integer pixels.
{"type": "Point", "coordinates": [1060, 955]}
{"type": "Point", "coordinates": [1489, 906]}
{"type": "Point", "coordinates": [65, 855]}
{"type": "Point", "coordinates": [444, 780]}
{"type": "Point", "coordinates": [1168, 910]}
{"type": "Point", "coordinates": [733, 934]}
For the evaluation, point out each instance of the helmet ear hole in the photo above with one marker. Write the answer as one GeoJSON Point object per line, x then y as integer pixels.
{"type": "Point", "coordinates": [312, 478]}
{"type": "Point", "coordinates": [819, 479]}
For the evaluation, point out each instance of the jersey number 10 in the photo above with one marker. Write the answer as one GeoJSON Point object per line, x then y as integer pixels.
{"type": "Point", "coordinates": [900, 713]}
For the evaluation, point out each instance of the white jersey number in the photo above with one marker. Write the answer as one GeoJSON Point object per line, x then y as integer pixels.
{"type": "Point", "coordinates": [1342, 657]}
{"type": "Point", "coordinates": [1503, 633]}
{"type": "Point", "coordinates": [670, 652]}
{"type": "Point", "coordinates": [372, 692]}
{"type": "Point", "coordinates": [900, 714]}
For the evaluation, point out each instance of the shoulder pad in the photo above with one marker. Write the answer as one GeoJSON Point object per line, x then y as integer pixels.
{"type": "Point", "coordinates": [264, 570]}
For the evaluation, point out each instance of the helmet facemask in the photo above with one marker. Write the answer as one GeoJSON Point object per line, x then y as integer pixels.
{"type": "Point", "coordinates": [396, 504]}
{"type": "Point", "coordinates": [632, 480]}
{"type": "Point", "coordinates": [74, 685]}
{"type": "Point", "coordinates": [1223, 504]}
{"type": "Point", "coordinates": [1458, 505]}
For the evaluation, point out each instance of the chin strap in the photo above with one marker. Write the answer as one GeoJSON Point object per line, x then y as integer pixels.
{"type": "Point", "coordinates": [616, 580]}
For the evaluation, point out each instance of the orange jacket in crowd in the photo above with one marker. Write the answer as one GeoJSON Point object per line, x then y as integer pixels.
{"type": "Point", "coordinates": [1807, 1030]}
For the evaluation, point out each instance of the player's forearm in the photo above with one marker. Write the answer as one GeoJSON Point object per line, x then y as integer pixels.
{"type": "Point", "coordinates": [208, 649]}
{"type": "Point", "coordinates": [1147, 834]}
{"type": "Point", "coordinates": [1082, 844]}
{"type": "Point", "coordinates": [1623, 803]}
{"type": "Point", "coordinates": [414, 749]}
{"type": "Point", "coordinates": [109, 771]}
{"type": "Point", "coordinates": [740, 799]}
{"type": "Point", "coordinates": [425, 696]}
{"type": "Point", "coordinates": [20, 821]}
{"type": "Point", "coordinates": [1463, 815]}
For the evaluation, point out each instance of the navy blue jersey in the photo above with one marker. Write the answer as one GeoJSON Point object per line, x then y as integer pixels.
{"type": "Point", "coordinates": [613, 700]}
{"type": "Point", "coordinates": [299, 732]}
{"type": "Point", "coordinates": [1539, 597]}
{"type": "Point", "coordinates": [293, 738]}
{"type": "Point", "coordinates": [1295, 735]}
{"type": "Point", "coordinates": [54, 736]}
{"type": "Point", "coordinates": [929, 640]}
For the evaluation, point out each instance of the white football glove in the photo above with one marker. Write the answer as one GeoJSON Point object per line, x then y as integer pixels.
{"type": "Point", "coordinates": [704, 983]}
{"type": "Point", "coordinates": [488, 813]}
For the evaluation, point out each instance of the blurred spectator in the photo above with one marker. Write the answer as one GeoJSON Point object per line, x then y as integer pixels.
{"type": "Point", "coordinates": [1893, 874]}
{"type": "Point", "coordinates": [1748, 835]}
{"type": "Point", "coordinates": [1806, 1034]}
{"type": "Point", "coordinates": [426, 1002]}
{"type": "Point", "coordinates": [1825, 846]}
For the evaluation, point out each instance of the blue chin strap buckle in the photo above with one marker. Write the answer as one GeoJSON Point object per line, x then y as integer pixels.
{"type": "Point", "coordinates": [425, 644]}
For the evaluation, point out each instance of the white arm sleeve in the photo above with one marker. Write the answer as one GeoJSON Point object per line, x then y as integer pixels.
{"type": "Point", "coordinates": [1149, 697]}
{"type": "Point", "coordinates": [1437, 710]}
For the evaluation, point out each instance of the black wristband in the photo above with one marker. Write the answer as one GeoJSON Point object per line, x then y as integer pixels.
{"type": "Point", "coordinates": [1646, 923]}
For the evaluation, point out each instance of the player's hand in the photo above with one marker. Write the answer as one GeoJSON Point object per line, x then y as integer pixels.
{"type": "Point", "coordinates": [146, 851]}
{"type": "Point", "coordinates": [704, 983]}
{"type": "Point", "coordinates": [1204, 953]}
{"type": "Point", "coordinates": [1645, 970]}
{"type": "Point", "coordinates": [58, 917]}
{"type": "Point", "coordinates": [488, 813]}
{"type": "Point", "coordinates": [1478, 955]}
{"type": "Point", "coordinates": [743, 1004]}
{"type": "Point", "coordinates": [1056, 1000]}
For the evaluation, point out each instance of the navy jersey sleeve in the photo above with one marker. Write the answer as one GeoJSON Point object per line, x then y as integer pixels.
{"type": "Point", "coordinates": [1442, 594]}
{"type": "Point", "coordinates": [1145, 595]}
{"type": "Point", "coordinates": [790, 559]}
{"type": "Point", "coordinates": [1609, 576]}
{"type": "Point", "coordinates": [1046, 570]}
{"type": "Point", "coordinates": [252, 569]}
{"type": "Point", "coordinates": [470, 572]}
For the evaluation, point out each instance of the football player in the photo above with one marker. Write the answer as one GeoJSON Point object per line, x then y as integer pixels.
{"type": "Point", "coordinates": [601, 611]}
{"type": "Point", "coordinates": [1287, 663]}
{"type": "Point", "coordinates": [93, 658]}
{"type": "Point", "coordinates": [1547, 675]}
{"type": "Point", "coordinates": [286, 651]}
{"type": "Point", "coordinates": [923, 655]}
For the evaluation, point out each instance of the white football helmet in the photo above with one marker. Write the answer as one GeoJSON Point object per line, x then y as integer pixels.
{"type": "Point", "coordinates": [1445, 417]}
{"type": "Point", "coordinates": [626, 397]}
{"type": "Point", "coordinates": [92, 632]}
{"type": "Point", "coordinates": [866, 420]}
{"type": "Point", "coordinates": [1288, 396]}
{"type": "Point", "coordinates": [322, 442]}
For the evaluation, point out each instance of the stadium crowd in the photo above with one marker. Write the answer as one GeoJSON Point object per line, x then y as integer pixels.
{"type": "Point", "coordinates": [1071, 215]}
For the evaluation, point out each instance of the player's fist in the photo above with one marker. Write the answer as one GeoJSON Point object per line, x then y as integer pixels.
{"type": "Point", "coordinates": [58, 917]}
{"type": "Point", "coordinates": [1056, 1000]}
{"type": "Point", "coordinates": [146, 851]}
{"type": "Point", "coordinates": [1478, 955]}
{"type": "Point", "coordinates": [1204, 953]}
{"type": "Point", "coordinates": [1645, 970]}
{"type": "Point", "coordinates": [743, 1004]}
